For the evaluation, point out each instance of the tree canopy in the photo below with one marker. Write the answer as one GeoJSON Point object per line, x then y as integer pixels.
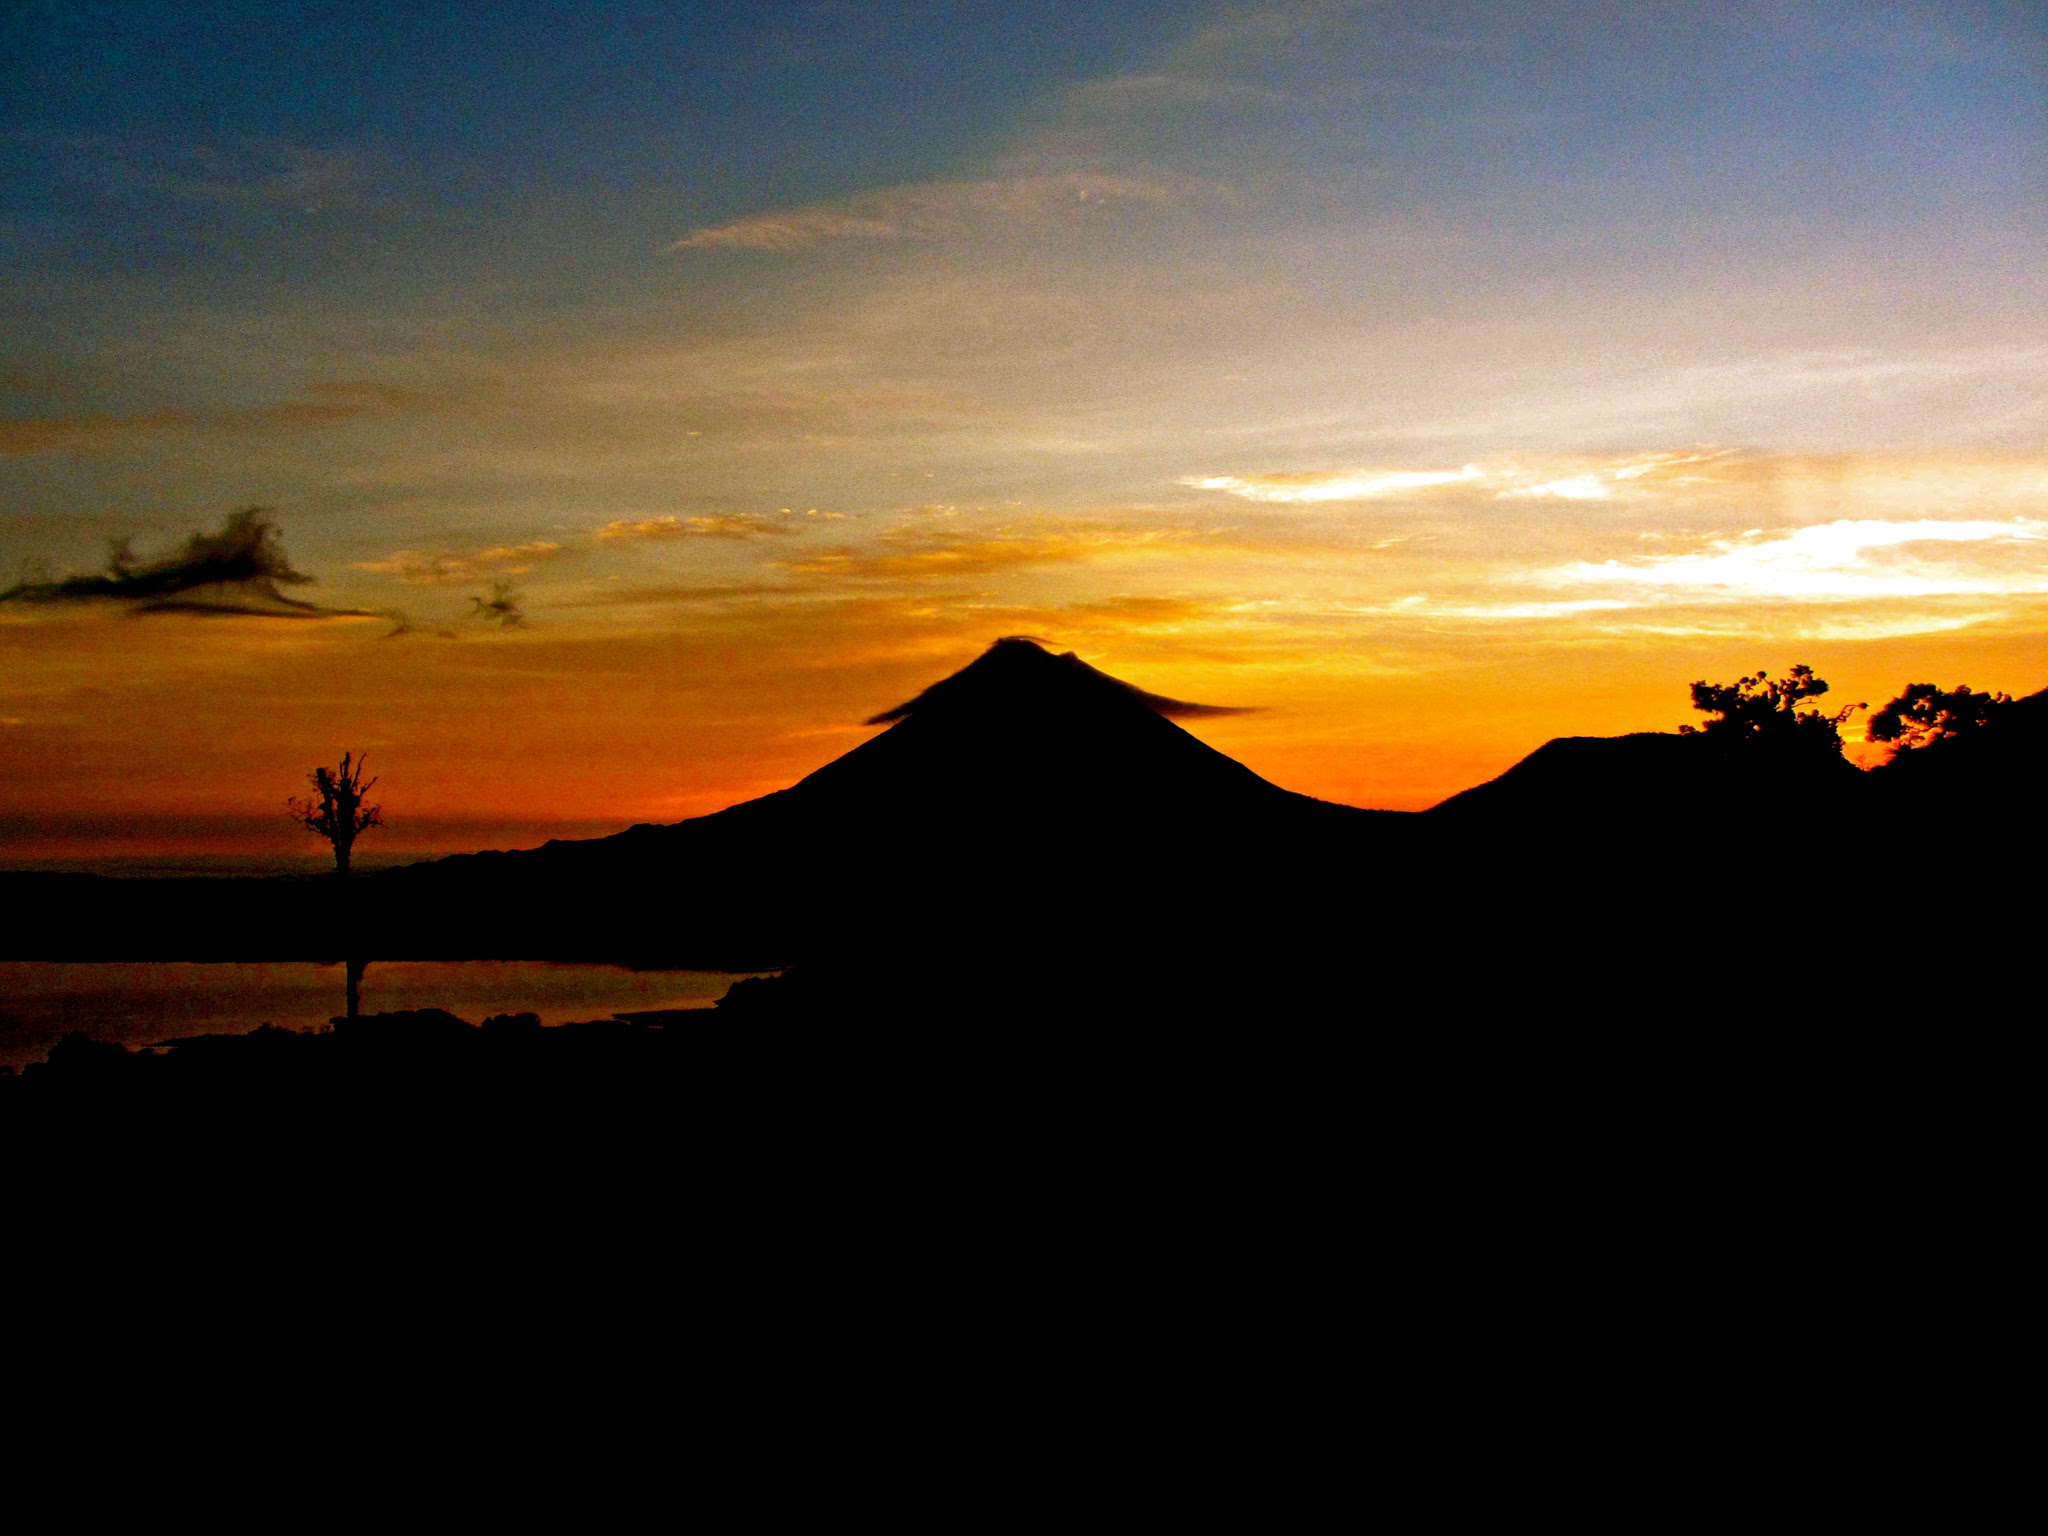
{"type": "Point", "coordinates": [1760, 712]}
{"type": "Point", "coordinates": [1925, 714]}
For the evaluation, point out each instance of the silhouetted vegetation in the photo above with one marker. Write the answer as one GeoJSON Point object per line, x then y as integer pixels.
{"type": "Point", "coordinates": [336, 810]}
{"type": "Point", "coordinates": [1762, 713]}
{"type": "Point", "coordinates": [1925, 714]}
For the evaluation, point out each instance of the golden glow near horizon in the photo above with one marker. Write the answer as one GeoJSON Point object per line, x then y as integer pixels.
{"type": "Point", "coordinates": [641, 511]}
{"type": "Point", "coordinates": [1394, 666]}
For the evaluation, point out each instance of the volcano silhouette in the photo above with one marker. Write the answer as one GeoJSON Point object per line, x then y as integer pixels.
{"type": "Point", "coordinates": [1023, 739]}
{"type": "Point", "coordinates": [1027, 786]}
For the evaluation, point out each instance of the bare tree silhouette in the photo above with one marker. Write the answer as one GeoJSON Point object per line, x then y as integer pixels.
{"type": "Point", "coordinates": [335, 810]}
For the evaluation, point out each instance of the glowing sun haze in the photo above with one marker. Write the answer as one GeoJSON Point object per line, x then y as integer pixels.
{"type": "Point", "coordinates": [656, 391]}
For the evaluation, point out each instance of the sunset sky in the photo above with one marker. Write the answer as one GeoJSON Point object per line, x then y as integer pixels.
{"type": "Point", "coordinates": [1439, 377]}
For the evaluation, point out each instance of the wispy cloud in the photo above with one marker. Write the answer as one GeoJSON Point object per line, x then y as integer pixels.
{"type": "Point", "coordinates": [926, 211]}
{"type": "Point", "coordinates": [1597, 482]}
{"type": "Point", "coordinates": [975, 558]}
{"type": "Point", "coordinates": [1127, 611]}
{"type": "Point", "coordinates": [1841, 560]}
{"type": "Point", "coordinates": [1565, 479]}
{"type": "Point", "coordinates": [1229, 76]}
{"type": "Point", "coordinates": [729, 525]}
{"type": "Point", "coordinates": [1955, 394]}
{"type": "Point", "coordinates": [1425, 608]}
{"type": "Point", "coordinates": [248, 172]}
{"type": "Point", "coordinates": [1860, 627]}
{"type": "Point", "coordinates": [263, 171]}
{"type": "Point", "coordinates": [328, 405]}
{"type": "Point", "coordinates": [1493, 613]}
{"type": "Point", "coordinates": [922, 555]}
{"type": "Point", "coordinates": [424, 568]}
{"type": "Point", "coordinates": [1334, 485]}
{"type": "Point", "coordinates": [678, 594]}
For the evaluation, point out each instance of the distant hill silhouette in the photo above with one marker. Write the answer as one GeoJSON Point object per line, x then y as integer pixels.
{"type": "Point", "coordinates": [1598, 786]}
{"type": "Point", "coordinates": [1608, 792]}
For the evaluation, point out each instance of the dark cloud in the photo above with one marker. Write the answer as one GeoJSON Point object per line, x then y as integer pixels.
{"type": "Point", "coordinates": [501, 607]}
{"type": "Point", "coordinates": [242, 569]}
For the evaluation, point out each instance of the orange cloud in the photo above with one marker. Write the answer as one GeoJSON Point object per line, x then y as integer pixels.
{"type": "Point", "coordinates": [419, 568]}
{"type": "Point", "coordinates": [331, 404]}
{"type": "Point", "coordinates": [44, 435]}
{"type": "Point", "coordinates": [920, 555]}
{"type": "Point", "coordinates": [676, 593]}
{"type": "Point", "coordinates": [730, 525]}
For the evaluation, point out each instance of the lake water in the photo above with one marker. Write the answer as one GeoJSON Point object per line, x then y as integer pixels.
{"type": "Point", "coordinates": [140, 1004]}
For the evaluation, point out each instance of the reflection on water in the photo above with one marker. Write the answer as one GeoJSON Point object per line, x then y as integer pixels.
{"type": "Point", "coordinates": [139, 1004]}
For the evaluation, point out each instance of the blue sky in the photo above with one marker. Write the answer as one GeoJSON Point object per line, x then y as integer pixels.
{"type": "Point", "coordinates": [531, 162]}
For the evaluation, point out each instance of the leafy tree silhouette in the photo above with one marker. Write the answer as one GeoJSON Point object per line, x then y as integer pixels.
{"type": "Point", "coordinates": [1760, 713]}
{"type": "Point", "coordinates": [335, 809]}
{"type": "Point", "coordinates": [1925, 714]}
